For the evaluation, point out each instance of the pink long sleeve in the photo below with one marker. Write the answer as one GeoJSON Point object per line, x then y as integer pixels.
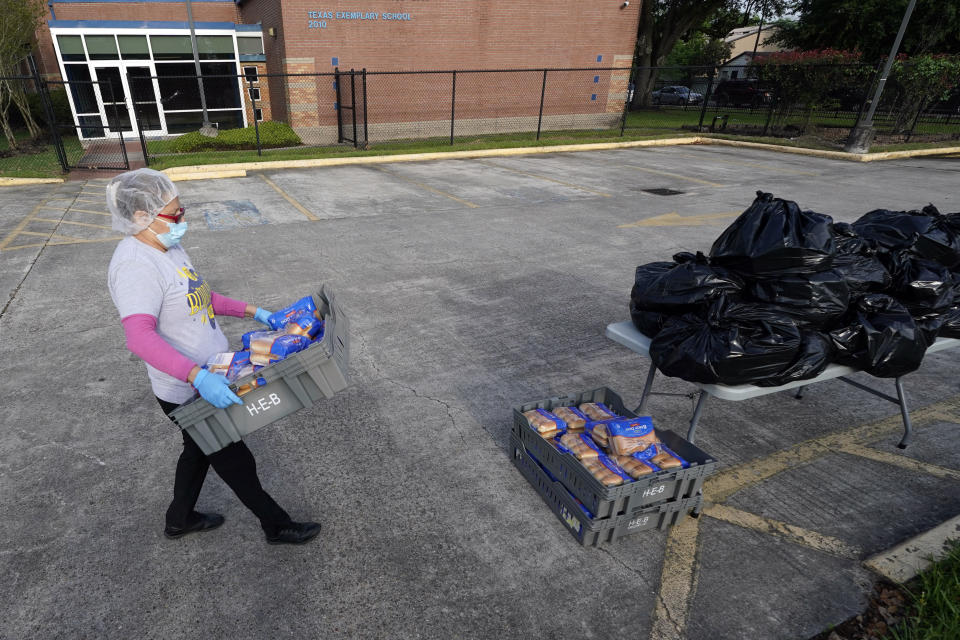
{"type": "Point", "coordinates": [224, 306]}
{"type": "Point", "coordinates": [144, 341]}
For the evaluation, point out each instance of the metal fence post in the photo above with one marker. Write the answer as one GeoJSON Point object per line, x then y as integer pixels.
{"type": "Point", "coordinates": [366, 134]}
{"type": "Point", "coordinates": [353, 105]}
{"type": "Point", "coordinates": [543, 91]}
{"type": "Point", "coordinates": [253, 110]}
{"type": "Point", "coordinates": [136, 119]}
{"type": "Point", "coordinates": [453, 106]}
{"type": "Point", "coordinates": [923, 103]}
{"type": "Point", "coordinates": [336, 86]}
{"type": "Point", "coordinates": [55, 138]}
{"type": "Point", "coordinates": [706, 99]}
{"type": "Point", "coordinates": [631, 80]}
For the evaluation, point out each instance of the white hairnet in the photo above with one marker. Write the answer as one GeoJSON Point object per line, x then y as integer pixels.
{"type": "Point", "coordinates": [141, 190]}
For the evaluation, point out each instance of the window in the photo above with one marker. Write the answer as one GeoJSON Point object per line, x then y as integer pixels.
{"type": "Point", "coordinates": [78, 79]}
{"type": "Point", "coordinates": [102, 47]}
{"type": "Point", "coordinates": [254, 93]}
{"type": "Point", "coordinates": [171, 47]}
{"type": "Point", "coordinates": [71, 48]}
{"type": "Point", "coordinates": [250, 74]}
{"type": "Point", "coordinates": [249, 46]}
{"type": "Point", "coordinates": [215, 47]}
{"type": "Point", "coordinates": [133, 47]}
{"type": "Point", "coordinates": [179, 90]}
{"type": "Point", "coordinates": [258, 115]}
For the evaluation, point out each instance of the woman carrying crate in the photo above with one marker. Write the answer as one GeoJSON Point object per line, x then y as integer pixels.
{"type": "Point", "coordinates": [169, 316]}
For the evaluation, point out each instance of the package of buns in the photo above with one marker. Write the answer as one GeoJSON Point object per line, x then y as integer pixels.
{"type": "Point", "coordinates": [598, 431]}
{"type": "Point", "coordinates": [664, 458]}
{"type": "Point", "coordinates": [279, 319]}
{"type": "Point", "coordinates": [608, 472]}
{"type": "Point", "coordinates": [575, 420]}
{"type": "Point", "coordinates": [545, 423]}
{"type": "Point", "coordinates": [580, 445]}
{"type": "Point", "coordinates": [230, 364]}
{"type": "Point", "coordinates": [636, 467]}
{"type": "Point", "coordinates": [267, 347]}
{"type": "Point", "coordinates": [628, 435]}
{"type": "Point", "coordinates": [305, 324]}
{"type": "Point", "coordinates": [597, 411]}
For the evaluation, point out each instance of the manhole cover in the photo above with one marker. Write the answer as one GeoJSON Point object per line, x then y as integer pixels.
{"type": "Point", "coordinates": [663, 192]}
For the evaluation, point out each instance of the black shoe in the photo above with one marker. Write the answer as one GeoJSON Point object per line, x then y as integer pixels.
{"type": "Point", "coordinates": [199, 522]}
{"type": "Point", "coordinates": [294, 533]}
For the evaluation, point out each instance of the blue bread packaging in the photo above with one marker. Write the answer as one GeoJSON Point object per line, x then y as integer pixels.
{"type": "Point", "coordinates": [627, 435]}
{"type": "Point", "coordinates": [544, 422]}
{"type": "Point", "coordinates": [279, 319]}
{"type": "Point", "coordinates": [267, 347]}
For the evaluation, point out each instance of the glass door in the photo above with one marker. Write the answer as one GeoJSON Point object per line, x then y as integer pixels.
{"type": "Point", "coordinates": [113, 99]}
{"type": "Point", "coordinates": [128, 93]}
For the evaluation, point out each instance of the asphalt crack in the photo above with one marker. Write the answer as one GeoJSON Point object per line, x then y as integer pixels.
{"type": "Point", "coordinates": [383, 376]}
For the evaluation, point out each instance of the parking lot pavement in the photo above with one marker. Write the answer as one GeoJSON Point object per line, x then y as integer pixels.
{"type": "Point", "coordinates": [472, 287]}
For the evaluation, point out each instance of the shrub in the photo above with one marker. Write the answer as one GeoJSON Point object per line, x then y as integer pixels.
{"type": "Point", "coordinates": [272, 135]}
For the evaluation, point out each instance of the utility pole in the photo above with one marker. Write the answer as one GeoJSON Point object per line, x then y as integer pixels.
{"type": "Point", "coordinates": [862, 134]}
{"type": "Point", "coordinates": [207, 129]}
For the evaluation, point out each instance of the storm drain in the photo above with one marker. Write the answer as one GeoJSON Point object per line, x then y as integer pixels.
{"type": "Point", "coordinates": [663, 192]}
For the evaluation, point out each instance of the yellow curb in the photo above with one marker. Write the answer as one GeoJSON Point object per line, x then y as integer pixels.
{"type": "Point", "coordinates": [16, 182]}
{"type": "Point", "coordinates": [233, 170]}
{"type": "Point", "coordinates": [904, 561]}
{"type": "Point", "coordinates": [207, 175]}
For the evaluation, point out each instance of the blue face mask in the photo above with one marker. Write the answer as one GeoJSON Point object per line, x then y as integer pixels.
{"type": "Point", "coordinates": [172, 237]}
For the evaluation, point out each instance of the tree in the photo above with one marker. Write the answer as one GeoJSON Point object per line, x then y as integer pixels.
{"type": "Point", "coordinates": [869, 26]}
{"type": "Point", "coordinates": [664, 22]}
{"type": "Point", "coordinates": [20, 21]}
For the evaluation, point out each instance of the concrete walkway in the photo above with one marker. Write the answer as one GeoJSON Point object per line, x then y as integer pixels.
{"type": "Point", "coordinates": [472, 286]}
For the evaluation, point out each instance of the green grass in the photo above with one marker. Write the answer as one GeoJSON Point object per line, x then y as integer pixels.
{"type": "Point", "coordinates": [552, 138]}
{"type": "Point", "coordinates": [37, 165]}
{"type": "Point", "coordinates": [934, 609]}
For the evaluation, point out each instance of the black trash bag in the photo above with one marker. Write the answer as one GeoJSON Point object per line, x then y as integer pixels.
{"type": "Point", "coordinates": [816, 353]}
{"type": "Point", "coordinates": [816, 300]}
{"type": "Point", "coordinates": [941, 242]}
{"type": "Point", "coordinates": [857, 262]}
{"type": "Point", "coordinates": [649, 323]}
{"type": "Point", "coordinates": [921, 285]}
{"type": "Point", "coordinates": [950, 323]}
{"type": "Point", "coordinates": [929, 326]}
{"type": "Point", "coordinates": [774, 237]}
{"type": "Point", "coordinates": [690, 284]}
{"type": "Point", "coordinates": [881, 338]}
{"type": "Point", "coordinates": [893, 230]}
{"type": "Point", "coordinates": [733, 343]}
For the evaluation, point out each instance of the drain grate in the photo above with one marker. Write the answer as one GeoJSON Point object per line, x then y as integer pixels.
{"type": "Point", "coordinates": [663, 192]}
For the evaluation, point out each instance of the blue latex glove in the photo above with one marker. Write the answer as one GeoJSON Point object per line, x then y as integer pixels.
{"type": "Point", "coordinates": [215, 389]}
{"type": "Point", "coordinates": [262, 316]}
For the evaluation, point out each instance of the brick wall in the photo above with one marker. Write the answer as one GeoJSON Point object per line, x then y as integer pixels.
{"type": "Point", "coordinates": [452, 34]}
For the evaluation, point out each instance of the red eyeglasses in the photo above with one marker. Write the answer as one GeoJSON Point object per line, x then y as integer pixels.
{"type": "Point", "coordinates": [175, 219]}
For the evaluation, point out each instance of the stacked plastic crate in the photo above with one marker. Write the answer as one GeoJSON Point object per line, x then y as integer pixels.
{"type": "Point", "coordinates": [595, 513]}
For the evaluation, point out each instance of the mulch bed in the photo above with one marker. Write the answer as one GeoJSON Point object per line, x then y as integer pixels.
{"type": "Point", "coordinates": [887, 607]}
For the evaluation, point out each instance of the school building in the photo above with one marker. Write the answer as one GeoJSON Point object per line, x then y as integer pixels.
{"type": "Point", "coordinates": [128, 62]}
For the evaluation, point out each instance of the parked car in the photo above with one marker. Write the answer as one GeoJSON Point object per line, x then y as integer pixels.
{"type": "Point", "coordinates": [745, 92]}
{"type": "Point", "coordinates": [676, 95]}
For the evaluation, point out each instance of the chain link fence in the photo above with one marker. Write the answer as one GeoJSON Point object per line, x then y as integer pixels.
{"type": "Point", "coordinates": [111, 122]}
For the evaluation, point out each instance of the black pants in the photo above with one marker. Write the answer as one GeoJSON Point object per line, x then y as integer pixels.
{"type": "Point", "coordinates": [236, 466]}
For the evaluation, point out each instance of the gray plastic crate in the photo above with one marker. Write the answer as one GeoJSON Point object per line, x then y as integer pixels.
{"type": "Point", "coordinates": [592, 532]}
{"type": "Point", "coordinates": [605, 501]}
{"type": "Point", "coordinates": [294, 383]}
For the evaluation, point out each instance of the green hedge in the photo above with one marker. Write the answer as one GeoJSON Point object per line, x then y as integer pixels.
{"type": "Point", "coordinates": [272, 135]}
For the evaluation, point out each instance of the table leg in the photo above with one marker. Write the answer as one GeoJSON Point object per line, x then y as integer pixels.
{"type": "Point", "coordinates": [696, 416]}
{"type": "Point", "coordinates": [907, 427]}
{"type": "Point", "coordinates": [648, 385]}
{"type": "Point", "coordinates": [799, 394]}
